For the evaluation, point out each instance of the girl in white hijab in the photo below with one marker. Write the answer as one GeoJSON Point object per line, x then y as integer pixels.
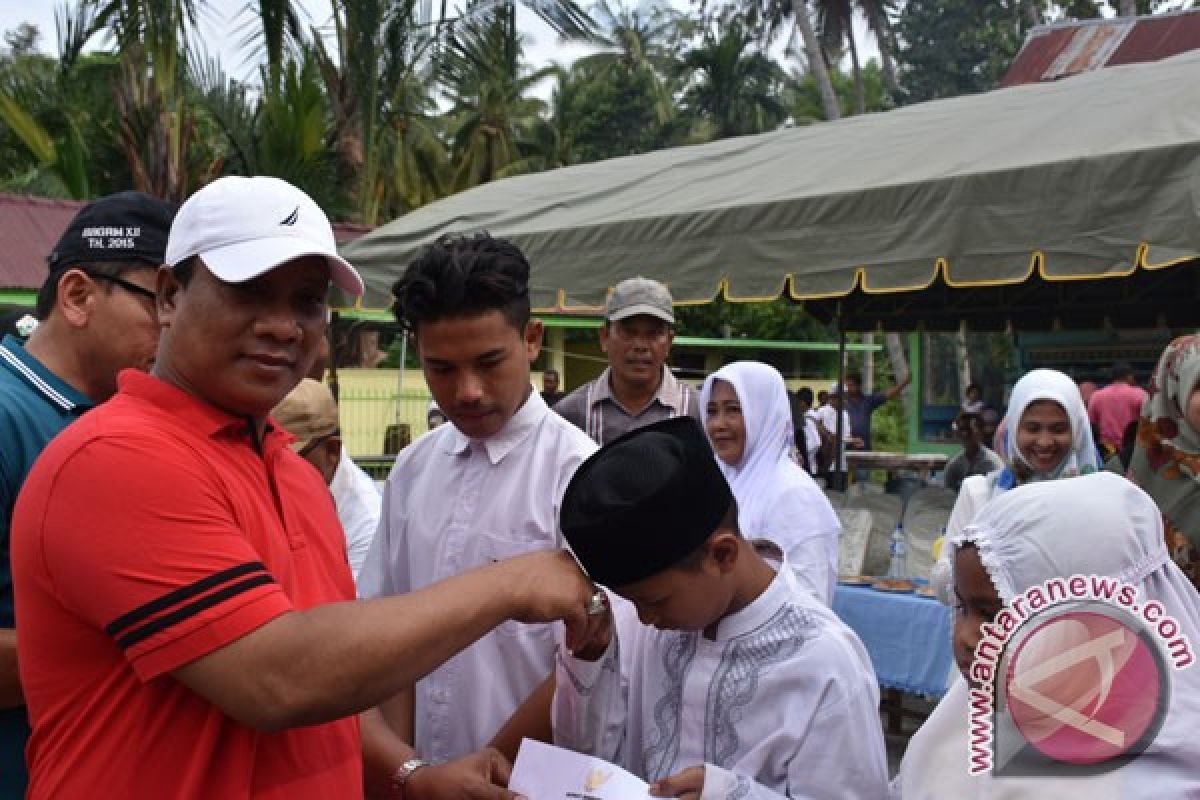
{"type": "Point", "coordinates": [1047, 435]}
{"type": "Point", "coordinates": [1097, 525]}
{"type": "Point", "coordinates": [749, 422]}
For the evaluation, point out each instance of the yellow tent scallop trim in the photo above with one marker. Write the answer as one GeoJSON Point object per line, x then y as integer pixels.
{"type": "Point", "coordinates": [941, 267]}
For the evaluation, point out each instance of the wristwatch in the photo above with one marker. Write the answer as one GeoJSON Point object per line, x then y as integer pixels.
{"type": "Point", "coordinates": [402, 774]}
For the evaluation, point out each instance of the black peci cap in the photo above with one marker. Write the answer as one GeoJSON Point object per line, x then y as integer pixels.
{"type": "Point", "coordinates": [643, 502]}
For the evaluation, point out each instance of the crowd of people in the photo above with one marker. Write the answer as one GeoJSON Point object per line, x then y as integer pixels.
{"type": "Point", "coordinates": [203, 597]}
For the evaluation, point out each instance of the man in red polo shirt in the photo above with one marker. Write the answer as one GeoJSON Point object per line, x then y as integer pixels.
{"type": "Point", "coordinates": [182, 591]}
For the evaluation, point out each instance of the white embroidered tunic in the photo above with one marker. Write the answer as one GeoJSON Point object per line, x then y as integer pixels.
{"type": "Point", "coordinates": [783, 703]}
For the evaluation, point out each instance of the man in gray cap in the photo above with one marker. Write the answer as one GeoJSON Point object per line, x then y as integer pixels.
{"type": "Point", "coordinates": [637, 388]}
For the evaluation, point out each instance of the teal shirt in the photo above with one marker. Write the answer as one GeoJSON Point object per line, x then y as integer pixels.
{"type": "Point", "coordinates": [35, 404]}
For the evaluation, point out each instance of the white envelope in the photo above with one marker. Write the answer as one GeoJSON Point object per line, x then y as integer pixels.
{"type": "Point", "coordinates": [546, 772]}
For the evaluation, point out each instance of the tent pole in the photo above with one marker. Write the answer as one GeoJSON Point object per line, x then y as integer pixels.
{"type": "Point", "coordinates": [839, 433]}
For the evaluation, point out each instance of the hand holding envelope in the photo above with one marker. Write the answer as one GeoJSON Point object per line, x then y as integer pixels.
{"type": "Point", "coordinates": [546, 772]}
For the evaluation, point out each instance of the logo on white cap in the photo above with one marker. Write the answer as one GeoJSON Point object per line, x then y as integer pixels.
{"type": "Point", "coordinates": [244, 227]}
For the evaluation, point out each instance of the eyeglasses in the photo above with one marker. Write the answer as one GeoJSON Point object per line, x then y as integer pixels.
{"type": "Point", "coordinates": [129, 286]}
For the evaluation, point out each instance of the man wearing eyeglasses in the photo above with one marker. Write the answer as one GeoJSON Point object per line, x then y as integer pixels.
{"type": "Point", "coordinates": [96, 317]}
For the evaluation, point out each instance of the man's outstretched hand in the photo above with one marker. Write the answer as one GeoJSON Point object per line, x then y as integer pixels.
{"type": "Point", "coordinates": [479, 776]}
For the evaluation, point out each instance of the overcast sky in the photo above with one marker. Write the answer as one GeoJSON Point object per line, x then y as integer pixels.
{"type": "Point", "coordinates": [224, 25]}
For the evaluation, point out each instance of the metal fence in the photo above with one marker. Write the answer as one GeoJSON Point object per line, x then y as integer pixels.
{"type": "Point", "coordinates": [379, 422]}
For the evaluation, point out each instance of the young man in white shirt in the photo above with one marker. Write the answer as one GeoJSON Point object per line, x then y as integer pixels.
{"type": "Point", "coordinates": [722, 676]}
{"type": "Point", "coordinates": [827, 416]}
{"type": "Point", "coordinates": [482, 489]}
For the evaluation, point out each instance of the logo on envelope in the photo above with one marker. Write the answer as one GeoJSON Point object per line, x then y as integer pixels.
{"type": "Point", "coordinates": [595, 779]}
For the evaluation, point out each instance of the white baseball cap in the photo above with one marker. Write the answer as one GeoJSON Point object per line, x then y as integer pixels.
{"type": "Point", "coordinates": [244, 227]}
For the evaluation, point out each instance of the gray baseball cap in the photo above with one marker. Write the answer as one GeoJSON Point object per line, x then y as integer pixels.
{"type": "Point", "coordinates": [634, 296]}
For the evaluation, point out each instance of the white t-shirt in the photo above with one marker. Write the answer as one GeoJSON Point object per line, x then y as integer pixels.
{"type": "Point", "coordinates": [827, 416]}
{"type": "Point", "coordinates": [358, 505]}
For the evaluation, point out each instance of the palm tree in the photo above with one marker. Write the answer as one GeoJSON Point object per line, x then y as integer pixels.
{"type": "Point", "coordinates": [879, 22]}
{"type": "Point", "coordinates": [279, 26]}
{"type": "Point", "coordinates": [55, 111]}
{"type": "Point", "coordinates": [815, 57]}
{"type": "Point", "coordinates": [636, 44]}
{"type": "Point", "coordinates": [486, 81]}
{"type": "Point", "coordinates": [734, 88]}
{"type": "Point", "coordinates": [835, 19]}
{"type": "Point", "coordinates": [157, 123]}
{"type": "Point", "coordinates": [283, 132]}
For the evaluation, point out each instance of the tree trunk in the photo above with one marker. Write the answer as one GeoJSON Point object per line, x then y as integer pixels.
{"type": "Point", "coordinates": [964, 360]}
{"type": "Point", "coordinates": [1128, 8]}
{"type": "Point", "coordinates": [816, 60]}
{"type": "Point", "coordinates": [860, 92]}
{"type": "Point", "coordinates": [883, 38]}
{"type": "Point", "coordinates": [895, 350]}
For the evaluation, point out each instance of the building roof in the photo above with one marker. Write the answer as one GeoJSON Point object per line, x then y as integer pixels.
{"type": "Point", "coordinates": [30, 226]}
{"type": "Point", "coordinates": [1059, 51]}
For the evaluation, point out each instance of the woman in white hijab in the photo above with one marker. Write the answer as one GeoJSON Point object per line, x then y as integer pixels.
{"type": "Point", "coordinates": [1047, 435]}
{"type": "Point", "coordinates": [749, 422]}
{"type": "Point", "coordinates": [1097, 525]}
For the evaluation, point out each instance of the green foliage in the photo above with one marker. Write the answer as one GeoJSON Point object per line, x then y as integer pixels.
{"type": "Point", "coordinates": [400, 110]}
{"type": "Point", "coordinates": [779, 319]}
{"type": "Point", "coordinates": [953, 47]}
{"type": "Point", "coordinates": [733, 87]}
{"type": "Point", "coordinates": [56, 128]}
{"type": "Point", "coordinates": [612, 114]}
{"type": "Point", "coordinates": [485, 78]}
{"type": "Point", "coordinates": [804, 99]}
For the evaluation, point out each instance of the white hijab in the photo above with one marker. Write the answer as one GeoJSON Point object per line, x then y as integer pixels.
{"type": "Point", "coordinates": [1050, 384]}
{"type": "Point", "coordinates": [777, 499]}
{"type": "Point", "coordinates": [1099, 524]}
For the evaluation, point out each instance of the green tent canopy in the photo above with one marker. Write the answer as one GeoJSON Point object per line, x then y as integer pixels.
{"type": "Point", "coordinates": [1075, 203]}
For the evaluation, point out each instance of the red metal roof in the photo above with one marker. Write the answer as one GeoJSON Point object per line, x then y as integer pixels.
{"type": "Point", "coordinates": [30, 227]}
{"type": "Point", "coordinates": [1052, 52]}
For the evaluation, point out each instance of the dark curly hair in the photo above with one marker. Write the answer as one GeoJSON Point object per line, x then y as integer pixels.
{"type": "Point", "coordinates": [464, 277]}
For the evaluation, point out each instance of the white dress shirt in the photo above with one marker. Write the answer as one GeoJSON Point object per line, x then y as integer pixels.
{"type": "Point", "coordinates": [782, 703]}
{"type": "Point", "coordinates": [452, 504]}
{"type": "Point", "coordinates": [358, 505]}
{"type": "Point", "coordinates": [827, 416]}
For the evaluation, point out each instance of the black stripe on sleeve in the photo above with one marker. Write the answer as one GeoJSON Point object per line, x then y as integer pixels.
{"type": "Point", "coordinates": [160, 604]}
{"type": "Point", "coordinates": [191, 609]}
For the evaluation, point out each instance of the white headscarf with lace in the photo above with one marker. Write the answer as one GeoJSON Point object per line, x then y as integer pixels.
{"type": "Point", "coordinates": [1099, 524]}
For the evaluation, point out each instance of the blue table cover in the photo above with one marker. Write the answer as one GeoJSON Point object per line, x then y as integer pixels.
{"type": "Point", "coordinates": [906, 635]}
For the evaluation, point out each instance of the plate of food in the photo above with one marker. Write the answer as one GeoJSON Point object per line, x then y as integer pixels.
{"type": "Point", "coordinates": [892, 585]}
{"type": "Point", "coordinates": [926, 591]}
{"type": "Point", "coordinates": [857, 580]}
